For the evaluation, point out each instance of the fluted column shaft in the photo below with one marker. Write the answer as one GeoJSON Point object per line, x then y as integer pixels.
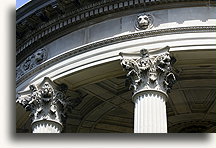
{"type": "Point", "coordinates": [150, 112]}
{"type": "Point", "coordinates": [150, 76]}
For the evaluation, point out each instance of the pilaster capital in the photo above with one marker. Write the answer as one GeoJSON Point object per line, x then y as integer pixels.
{"type": "Point", "coordinates": [47, 101]}
{"type": "Point", "coordinates": [149, 70]}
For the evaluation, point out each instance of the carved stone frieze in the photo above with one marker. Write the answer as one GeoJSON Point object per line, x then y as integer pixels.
{"type": "Point", "coordinates": [31, 62]}
{"type": "Point", "coordinates": [144, 21]}
{"type": "Point", "coordinates": [46, 101]}
{"type": "Point", "coordinates": [149, 71]}
{"type": "Point", "coordinates": [105, 42]}
{"type": "Point", "coordinates": [26, 36]}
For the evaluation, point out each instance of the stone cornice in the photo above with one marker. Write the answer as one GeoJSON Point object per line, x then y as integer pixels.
{"type": "Point", "coordinates": [26, 9]}
{"type": "Point", "coordinates": [37, 35]}
{"type": "Point", "coordinates": [109, 41]}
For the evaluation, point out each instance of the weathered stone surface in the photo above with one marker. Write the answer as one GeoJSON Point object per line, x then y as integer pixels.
{"type": "Point", "coordinates": [31, 62]}
{"type": "Point", "coordinates": [149, 72]}
{"type": "Point", "coordinates": [45, 102]}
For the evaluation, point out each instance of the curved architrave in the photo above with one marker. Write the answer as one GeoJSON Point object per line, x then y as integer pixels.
{"type": "Point", "coordinates": [67, 63]}
{"type": "Point", "coordinates": [82, 49]}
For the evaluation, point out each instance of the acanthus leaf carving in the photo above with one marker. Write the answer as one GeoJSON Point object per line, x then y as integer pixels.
{"type": "Point", "coordinates": [149, 71]}
{"type": "Point", "coordinates": [47, 101]}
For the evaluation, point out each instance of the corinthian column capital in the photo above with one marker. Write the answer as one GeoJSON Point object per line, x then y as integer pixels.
{"type": "Point", "coordinates": [46, 102]}
{"type": "Point", "coordinates": [149, 70]}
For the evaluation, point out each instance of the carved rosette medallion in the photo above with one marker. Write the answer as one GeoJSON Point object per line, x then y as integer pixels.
{"type": "Point", "coordinates": [144, 21]}
{"type": "Point", "coordinates": [45, 102]}
{"type": "Point", "coordinates": [31, 62]}
{"type": "Point", "coordinates": [149, 71]}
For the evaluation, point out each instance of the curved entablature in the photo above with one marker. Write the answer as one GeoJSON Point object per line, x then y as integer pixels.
{"type": "Point", "coordinates": [69, 74]}
{"type": "Point", "coordinates": [179, 39]}
{"type": "Point", "coordinates": [48, 20]}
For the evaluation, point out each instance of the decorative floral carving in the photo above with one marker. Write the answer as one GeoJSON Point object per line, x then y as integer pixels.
{"type": "Point", "coordinates": [31, 62]}
{"type": "Point", "coordinates": [149, 71]}
{"type": "Point", "coordinates": [144, 21]}
{"type": "Point", "coordinates": [113, 40]}
{"type": "Point", "coordinates": [46, 102]}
